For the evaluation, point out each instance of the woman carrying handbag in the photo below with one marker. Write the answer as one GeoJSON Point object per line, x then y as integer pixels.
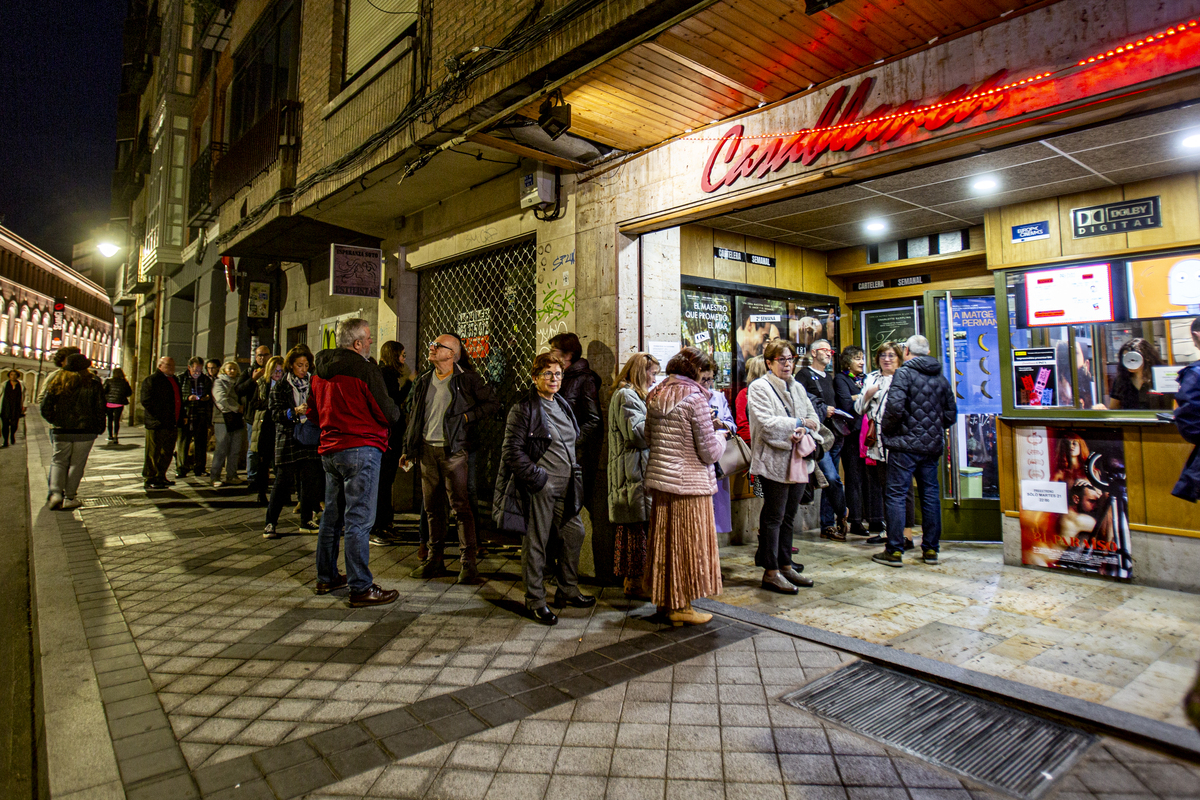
{"type": "Point", "coordinates": [871, 445]}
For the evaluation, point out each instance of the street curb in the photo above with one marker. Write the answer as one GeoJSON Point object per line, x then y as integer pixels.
{"type": "Point", "coordinates": [78, 752]}
{"type": "Point", "coordinates": [1181, 742]}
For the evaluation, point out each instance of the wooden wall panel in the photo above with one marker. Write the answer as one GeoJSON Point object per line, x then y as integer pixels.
{"type": "Point", "coordinates": [723, 269]}
{"type": "Point", "coordinates": [789, 267]}
{"type": "Point", "coordinates": [1180, 206]}
{"type": "Point", "coordinates": [696, 251]}
{"type": "Point", "coordinates": [1023, 214]}
{"type": "Point", "coordinates": [756, 273]}
{"type": "Point", "coordinates": [1163, 456]}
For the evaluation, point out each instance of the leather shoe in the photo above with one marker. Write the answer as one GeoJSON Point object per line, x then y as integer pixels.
{"type": "Point", "coordinates": [779, 584]}
{"type": "Point", "coordinates": [374, 596]}
{"type": "Point", "coordinates": [795, 578]}
{"type": "Point", "coordinates": [336, 583]}
{"type": "Point", "coordinates": [543, 615]}
{"type": "Point", "coordinates": [833, 534]}
{"type": "Point", "coordinates": [574, 601]}
{"type": "Point", "coordinates": [432, 567]}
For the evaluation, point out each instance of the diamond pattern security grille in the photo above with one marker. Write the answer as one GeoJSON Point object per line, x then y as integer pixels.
{"type": "Point", "coordinates": [488, 299]}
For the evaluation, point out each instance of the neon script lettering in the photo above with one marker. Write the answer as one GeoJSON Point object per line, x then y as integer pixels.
{"type": "Point", "coordinates": [841, 128]}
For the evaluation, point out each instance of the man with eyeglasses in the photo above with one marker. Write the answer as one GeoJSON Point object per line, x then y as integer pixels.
{"type": "Point", "coordinates": [821, 391]}
{"type": "Point", "coordinates": [447, 402]}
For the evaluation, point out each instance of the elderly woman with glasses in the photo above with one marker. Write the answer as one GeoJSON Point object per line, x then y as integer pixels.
{"type": "Point", "coordinates": [539, 490]}
{"type": "Point", "coordinates": [870, 404]}
{"type": "Point", "coordinates": [780, 416]}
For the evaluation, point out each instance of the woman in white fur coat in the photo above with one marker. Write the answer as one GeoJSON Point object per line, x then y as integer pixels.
{"type": "Point", "coordinates": [780, 412]}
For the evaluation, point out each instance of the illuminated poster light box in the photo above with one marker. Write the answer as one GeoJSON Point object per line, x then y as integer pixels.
{"type": "Point", "coordinates": [1069, 296]}
{"type": "Point", "coordinates": [1167, 286]}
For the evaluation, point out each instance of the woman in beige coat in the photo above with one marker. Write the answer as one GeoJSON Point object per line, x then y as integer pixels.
{"type": "Point", "coordinates": [684, 445]}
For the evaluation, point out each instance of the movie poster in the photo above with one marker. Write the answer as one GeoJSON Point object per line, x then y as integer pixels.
{"type": "Point", "coordinates": [708, 326]}
{"type": "Point", "coordinates": [808, 322]}
{"type": "Point", "coordinates": [759, 321]}
{"type": "Point", "coordinates": [1074, 508]}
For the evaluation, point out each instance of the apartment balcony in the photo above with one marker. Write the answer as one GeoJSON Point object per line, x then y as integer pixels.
{"type": "Point", "coordinates": [201, 208]}
{"type": "Point", "coordinates": [275, 135]}
{"type": "Point", "coordinates": [215, 23]}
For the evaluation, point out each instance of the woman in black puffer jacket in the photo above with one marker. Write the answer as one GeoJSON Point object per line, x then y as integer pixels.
{"type": "Point", "coordinates": [74, 406]}
{"type": "Point", "coordinates": [117, 392]}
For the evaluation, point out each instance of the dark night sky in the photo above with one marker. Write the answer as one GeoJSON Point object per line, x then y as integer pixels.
{"type": "Point", "coordinates": [60, 72]}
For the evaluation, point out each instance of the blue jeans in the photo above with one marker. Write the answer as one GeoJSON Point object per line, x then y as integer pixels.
{"type": "Point", "coordinates": [901, 467]}
{"type": "Point", "coordinates": [833, 497]}
{"type": "Point", "coordinates": [351, 489]}
{"type": "Point", "coordinates": [251, 456]}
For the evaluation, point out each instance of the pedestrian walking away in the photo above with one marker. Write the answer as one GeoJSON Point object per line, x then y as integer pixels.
{"type": "Point", "coordinates": [162, 408]}
{"type": "Point", "coordinates": [783, 424]}
{"type": "Point", "coordinates": [117, 392]}
{"type": "Point", "coordinates": [539, 490]}
{"type": "Point", "coordinates": [74, 406]}
{"type": "Point", "coordinates": [229, 425]}
{"type": "Point", "coordinates": [685, 443]}
{"type": "Point", "coordinates": [447, 402]}
{"type": "Point", "coordinates": [920, 407]}
{"type": "Point", "coordinates": [60, 356]}
{"type": "Point", "coordinates": [12, 406]}
{"type": "Point", "coordinates": [191, 454]}
{"type": "Point", "coordinates": [628, 453]}
{"type": "Point", "coordinates": [354, 414]}
{"type": "Point", "coordinates": [820, 388]}
{"type": "Point", "coordinates": [296, 438]}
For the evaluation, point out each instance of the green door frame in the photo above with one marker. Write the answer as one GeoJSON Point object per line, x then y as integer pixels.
{"type": "Point", "coordinates": [963, 519]}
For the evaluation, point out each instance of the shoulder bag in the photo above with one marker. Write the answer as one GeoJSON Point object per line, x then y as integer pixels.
{"type": "Point", "coordinates": [736, 457]}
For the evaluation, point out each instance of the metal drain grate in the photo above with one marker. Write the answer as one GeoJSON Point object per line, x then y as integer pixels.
{"type": "Point", "coordinates": [105, 502]}
{"type": "Point", "coordinates": [1000, 747]}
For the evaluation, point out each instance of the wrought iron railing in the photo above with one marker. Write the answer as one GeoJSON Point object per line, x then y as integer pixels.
{"type": "Point", "coordinates": [258, 149]}
{"type": "Point", "coordinates": [201, 209]}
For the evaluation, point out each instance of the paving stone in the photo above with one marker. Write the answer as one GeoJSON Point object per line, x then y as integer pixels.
{"type": "Point", "coordinates": [576, 787]}
{"type": "Point", "coordinates": [635, 789]}
{"type": "Point", "coordinates": [226, 774]}
{"type": "Point", "coordinates": [518, 786]}
{"type": "Point", "coordinates": [299, 779]}
{"type": "Point", "coordinates": [358, 759]}
{"type": "Point", "coordinates": [343, 737]}
{"type": "Point", "coordinates": [410, 742]}
{"type": "Point", "coordinates": [529, 758]}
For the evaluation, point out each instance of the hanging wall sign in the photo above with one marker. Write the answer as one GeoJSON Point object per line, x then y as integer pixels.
{"type": "Point", "coordinates": [355, 271]}
{"type": "Point", "coordinates": [1031, 232]}
{"type": "Point", "coordinates": [894, 283]}
{"type": "Point", "coordinates": [58, 323]}
{"type": "Point", "coordinates": [1130, 215]}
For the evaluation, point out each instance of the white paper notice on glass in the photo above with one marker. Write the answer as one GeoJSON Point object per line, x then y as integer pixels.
{"type": "Point", "coordinates": [1044, 496]}
{"type": "Point", "coordinates": [1166, 379]}
{"type": "Point", "coordinates": [663, 351]}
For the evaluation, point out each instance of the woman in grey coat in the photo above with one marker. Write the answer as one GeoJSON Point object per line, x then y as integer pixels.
{"type": "Point", "coordinates": [628, 451]}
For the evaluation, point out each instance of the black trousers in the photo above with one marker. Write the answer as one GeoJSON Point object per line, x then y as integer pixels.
{"type": "Point", "coordinates": [193, 435]}
{"type": "Point", "coordinates": [854, 470]}
{"type": "Point", "coordinates": [776, 522]}
{"type": "Point", "coordinates": [306, 475]}
{"type": "Point", "coordinates": [9, 429]}
{"type": "Point", "coordinates": [160, 447]}
{"type": "Point", "coordinates": [114, 421]}
{"type": "Point", "coordinates": [389, 465]}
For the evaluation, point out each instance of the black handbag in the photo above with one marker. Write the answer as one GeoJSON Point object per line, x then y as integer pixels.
{"type": "Point", "coordinates": [307, 433]}
{"type": "Point", "coordinates": [233, 419]}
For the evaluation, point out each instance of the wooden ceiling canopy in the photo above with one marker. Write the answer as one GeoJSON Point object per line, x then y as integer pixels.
{"type": "Point", "coordinates": [737, 54]}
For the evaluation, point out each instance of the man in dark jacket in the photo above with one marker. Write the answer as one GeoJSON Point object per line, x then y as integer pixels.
{"type": "Point", "coordinates": [447, 402]}
{"type": "Point", "coordinates": [816, 381]}
{"type": "Point", "coordinates": [920, 407]}
{"type": "Point", "coordinates": [247, 391]}
{"type": "Point", "coordinates": [162, 409]}
{"type": "Point", "coordinates": [191, 451]}
{"type": "Point", "coordinates": [581, 390]}
{"type": "Point", "coordinates": [1187, 420]}
{"type": "Point", "coordinates": [355, 414]}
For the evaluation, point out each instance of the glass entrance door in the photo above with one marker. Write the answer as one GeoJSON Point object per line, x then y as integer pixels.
{"type": "Point", "coordinates": [966, 341]}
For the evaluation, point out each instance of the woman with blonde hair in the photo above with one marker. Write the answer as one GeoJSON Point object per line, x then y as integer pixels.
{"type": "Point", "coordinates": [229, 425]}
{"type": "Point", "coordinates": [684, 444]}
{"type": "Point", "coordinates": [262, 427]}
{"type": "Point", "coordinates": [628, 451]}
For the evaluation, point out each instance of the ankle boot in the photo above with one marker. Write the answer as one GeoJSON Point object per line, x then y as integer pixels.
{"type": "Point", "coordinates": [688, 616]}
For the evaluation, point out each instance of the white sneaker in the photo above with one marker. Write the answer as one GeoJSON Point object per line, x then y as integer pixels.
{"type": "Point", "coordinates": [217, 484]}
{"type": "Point", "coordinates": [55, 500]}
{"type": "Point", "coordinates": [269, 532]}
{"type": "Point", "coordinates": [67, 505]}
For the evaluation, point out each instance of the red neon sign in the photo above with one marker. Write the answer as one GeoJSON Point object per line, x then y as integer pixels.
{"type": "Point", "coordinates": [842, 130]}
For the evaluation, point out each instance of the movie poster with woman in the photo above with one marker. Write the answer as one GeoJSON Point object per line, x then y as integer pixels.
{"type": "Point", "coordinates": [1074, 508]}
{"type": "Point", "coordinates": [708, 326]}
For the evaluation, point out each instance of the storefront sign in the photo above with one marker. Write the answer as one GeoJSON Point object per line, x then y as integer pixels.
{"type": "Point", "coordinates": [738, 255]}
{"type": "Point", "coordinates": [895, 283]}
{"type": "Point", "coordinates": [841, 126]}
{"type": "Point", "coordinates": [259, 302]}
{"type": "Point", "coordinates": [1110, 218]}
{"type": "Point", "coordinates": [475, 328]}
{"type": "Point", "coordinates": [1031, 232]}
{"type": "Point", "coordinates": [354, 271]}
{"type": "Point", "coordinates": [58, 324]}
{"type": "Point", "coordinates": [1074, 509]}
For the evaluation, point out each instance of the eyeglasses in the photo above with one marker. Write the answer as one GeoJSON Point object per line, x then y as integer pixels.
{"type": "Point", "coordinates": [783, 359]}
{"type": "Point", "coordinates": [436, 345]}
{"type": "Point", "coordinates": [550, 376]}
{"type": "Point", "coordinates": [889, 356]}
{"type": "Point", "coordinates": [822, 350]}
{"type": "Point", "coordinates": [707, 381]}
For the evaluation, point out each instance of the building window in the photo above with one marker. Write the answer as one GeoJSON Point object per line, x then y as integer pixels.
{"type": "Point", "coordinates": [265, 68]}
{"type": "Point", "coordinates": [372, 27]}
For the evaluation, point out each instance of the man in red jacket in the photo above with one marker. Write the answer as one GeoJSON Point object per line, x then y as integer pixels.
{"type": "Point", "coordinates": [355, 414]}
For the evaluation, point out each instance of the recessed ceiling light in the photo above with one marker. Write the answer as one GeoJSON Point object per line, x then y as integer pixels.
{"type": "Point", "coordinates": [1192, 141]}
{"type": "Point", "coordinates": [876, 226]}
{"type": "Point", "coordinates": [985, 185]}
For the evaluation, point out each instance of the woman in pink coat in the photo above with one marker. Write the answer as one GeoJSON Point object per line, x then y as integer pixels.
{"type": "Point", "coordinates": [684, 445]}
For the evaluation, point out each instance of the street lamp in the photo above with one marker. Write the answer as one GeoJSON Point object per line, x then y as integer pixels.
{"type": "Point", "coordinates": [108, 249]}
